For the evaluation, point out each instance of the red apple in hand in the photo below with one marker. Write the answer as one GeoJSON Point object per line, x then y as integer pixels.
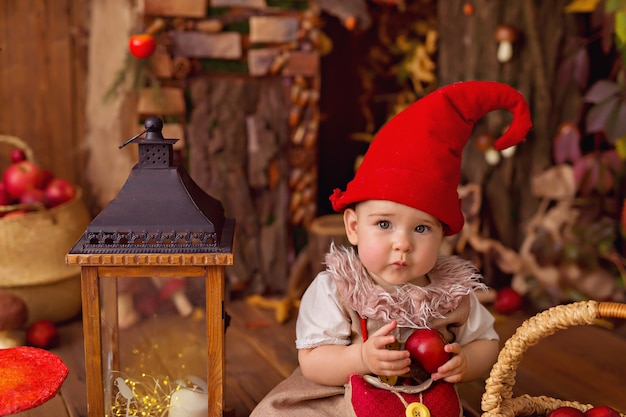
{"type": "Point", "coordinates": [566, 412]}
{"type": "Point", "coordinates": [426, 346]}
{"type": "Point", "coordinates": [601, 411]}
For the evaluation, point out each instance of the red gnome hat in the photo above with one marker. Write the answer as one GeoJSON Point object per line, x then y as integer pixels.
{"type": "Point", "coordinates": [415, 158]}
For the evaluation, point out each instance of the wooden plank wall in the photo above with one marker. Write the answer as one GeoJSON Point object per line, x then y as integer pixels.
{"type": "Point", "coordinates": [43, 68]}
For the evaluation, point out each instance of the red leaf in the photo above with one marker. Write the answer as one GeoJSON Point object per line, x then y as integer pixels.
{"type": "Point", "coordinates": [602, 90]}
{"type": "Point", "coordinates": [581, 67]}
{"type": "Point", "coordinates": [574, 67]}
{"type": "Point", "coordinates": [611, 159]}
{"type": "Point", "coordinates": [599, 114]}
{"type": "Point", "coordinates": [616, 124]}
{"type": "Point", "coordinates": [566, 143]}
{"type": "Point", "coordinates": [590, 173]}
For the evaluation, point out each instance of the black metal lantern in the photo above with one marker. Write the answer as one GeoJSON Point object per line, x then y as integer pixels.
{"type": "Point", "coordinates": [161, 228]}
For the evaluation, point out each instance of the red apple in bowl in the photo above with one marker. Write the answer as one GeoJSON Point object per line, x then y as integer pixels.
{"type": "Point", "coordinates": [22, 176]}
{"type": "Point", "coordinates": [59, 191]}
{"type": "Point", "coordinates": [602, 411]}
{"type": "Point", "coordinates": [14, 214]}
{"type": "Point", "coordinates": [17, 155]}
{"type": "Point", "coordinates": [426, 347]}
{"type": "Point", "coordinates": [566, 412]}
{"type": "Point", "coordinates": [33, 196]}
{"type": "Point", "coordinates": [4, 197]}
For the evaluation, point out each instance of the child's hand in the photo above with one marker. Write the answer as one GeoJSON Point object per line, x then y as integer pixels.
{"type": "Point", "coordinates": [381, 361]}
{"type": "Point", "coordinates": [454, 370]}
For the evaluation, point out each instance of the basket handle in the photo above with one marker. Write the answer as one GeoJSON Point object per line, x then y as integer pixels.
{"type": "Point", "coordinates": [499, 385]}
{"type": "Point", "coordinates": [18, 143]}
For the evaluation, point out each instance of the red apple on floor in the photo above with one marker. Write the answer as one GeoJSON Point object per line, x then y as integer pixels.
{"type": "Point", "coordinates": [601, 411]}
{"type": "Point", "coordinates": [42, 334]}
{"type": "Point", "coordinates": [58, 191]}
{"type": "Point", "coordinates": [426, 346]}
{"type": "Point", "coordinates": [566, 412]}
{"type": "Point", "coordinates": [22, 176]}
{"type": "Point", "coordinates": [507, 301]}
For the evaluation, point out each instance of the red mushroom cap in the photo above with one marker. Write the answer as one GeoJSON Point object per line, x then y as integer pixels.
{"type": "Point", "coordinates": [170, 287]}
{"type": "Point", "coordinates": [28, 378]}
{"type": "Point", "coordinates": [506, 33]}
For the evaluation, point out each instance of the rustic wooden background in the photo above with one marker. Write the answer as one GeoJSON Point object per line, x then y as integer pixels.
{"type": "Point", "coordinates": [43, 71]}
{"type": "Point", "coordinates": [48, 100]}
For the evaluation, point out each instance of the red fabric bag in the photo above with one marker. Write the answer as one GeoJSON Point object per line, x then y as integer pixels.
{"type": "Point", "coordinates": [367, 400]}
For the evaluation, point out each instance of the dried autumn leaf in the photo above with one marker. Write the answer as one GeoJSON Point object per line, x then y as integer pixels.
{"type": "Point", "coordinates": [581, 6]}
{"type": "Point", "coordinates": [28, 378]}
{"type": "Point", "coordinates": [620, 26]}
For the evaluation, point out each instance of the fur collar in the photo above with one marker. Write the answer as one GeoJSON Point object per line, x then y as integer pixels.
{"type": "Point", "coordinates": [451, 279]}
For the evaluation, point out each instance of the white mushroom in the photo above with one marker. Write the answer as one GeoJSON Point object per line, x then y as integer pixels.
{"type": "Point", "coordinates": [505, 35]}
{"type": "Point", "coordinates": [13, 315]}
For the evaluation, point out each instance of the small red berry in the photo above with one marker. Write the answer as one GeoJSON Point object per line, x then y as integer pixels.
{"type": "Point", "coordinates": [468, 9]}
{"type": "Point", "coordinates": [484, 141]}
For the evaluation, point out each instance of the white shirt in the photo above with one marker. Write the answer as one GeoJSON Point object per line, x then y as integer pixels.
{"type": "Point", "coordinates": [323, 321]}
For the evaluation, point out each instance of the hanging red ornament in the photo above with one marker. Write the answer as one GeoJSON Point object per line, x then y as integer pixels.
{"type": "Point", "coordinates": [142, 45]}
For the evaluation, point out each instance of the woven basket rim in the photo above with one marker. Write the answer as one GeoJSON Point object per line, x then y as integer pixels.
{"type": "Point", "coordinates": [18, 143]}
{"type": "Point", "coordinates": [497, 399]}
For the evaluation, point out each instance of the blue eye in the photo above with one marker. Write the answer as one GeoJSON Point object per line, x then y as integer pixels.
{"type": "Point", "coordinates": [422, 228]}
{"type": "Point", "coordinates": [384, 224]}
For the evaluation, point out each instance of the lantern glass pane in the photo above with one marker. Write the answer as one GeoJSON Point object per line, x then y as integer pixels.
{"type": "Point", "coordinates": [154, 346]}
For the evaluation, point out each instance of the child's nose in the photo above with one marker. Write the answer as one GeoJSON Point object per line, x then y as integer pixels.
{"type": "Point", "coordinates": [401, 242]}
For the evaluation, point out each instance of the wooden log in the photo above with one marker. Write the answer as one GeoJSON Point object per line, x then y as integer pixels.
{"type": "Point", "coordinates": [165, 101]}
{"type": "Point", "coordinates": [302, 63]}
{"type": "Point", "coordinates": [225, 45]}
{"type": "Point", "coordinates": [186, 8]}
{"type": "Point", "coordinates": [325, 230]}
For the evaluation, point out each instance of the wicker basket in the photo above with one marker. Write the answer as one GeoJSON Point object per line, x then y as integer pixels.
{"type": "Point", "coordinates": [497, 399]}
{"type": "Point", "coordinates": [32, 254]}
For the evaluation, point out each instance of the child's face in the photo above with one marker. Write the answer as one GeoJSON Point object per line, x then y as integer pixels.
{"type": "Point", "coordinates": [396, 243]}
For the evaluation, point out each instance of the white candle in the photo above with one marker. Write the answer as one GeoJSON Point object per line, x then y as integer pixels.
{"type": "Point", "coordinates": [188, 403]}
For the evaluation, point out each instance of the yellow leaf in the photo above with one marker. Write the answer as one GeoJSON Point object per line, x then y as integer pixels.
{"type": "Point", "coordinates": [581, 6]}
{"type": "Point", "coordinates": [620, 147]}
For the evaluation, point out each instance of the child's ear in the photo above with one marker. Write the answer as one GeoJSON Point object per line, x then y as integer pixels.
{"type": "Point", "coordinates": [350, 223]}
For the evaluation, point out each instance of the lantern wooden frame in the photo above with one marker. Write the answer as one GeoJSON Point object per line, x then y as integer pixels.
{"type": "Point", "coordinates": [95, 268]}
{"type": "Point", "coordinates": [161, 225]}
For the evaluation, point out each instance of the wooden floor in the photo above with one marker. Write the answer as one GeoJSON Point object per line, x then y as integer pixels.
{"type": "Point", "coordinates": [585, 364]}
